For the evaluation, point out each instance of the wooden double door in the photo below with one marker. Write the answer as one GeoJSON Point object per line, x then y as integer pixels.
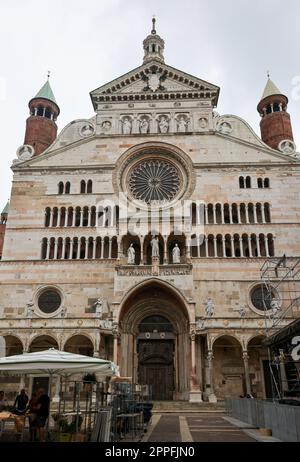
{"type": "Point", "coordinates": [156, 367]}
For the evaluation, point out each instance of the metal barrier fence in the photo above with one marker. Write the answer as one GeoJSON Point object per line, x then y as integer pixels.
{"type": "Point", "coordinates": [282, 419]}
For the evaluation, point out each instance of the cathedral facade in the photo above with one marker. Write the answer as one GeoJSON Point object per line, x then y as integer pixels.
{"type": "Point", "coordinates": [138, 235]}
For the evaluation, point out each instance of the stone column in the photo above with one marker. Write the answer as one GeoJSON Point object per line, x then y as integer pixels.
{"type": "Point", "coordinates": [230, 213]}
{"type": "Point", "coordinates": [56, 396]}
{"type": "Point", "coordinates": [86, 248]}
{"type": "Point", "coordinates": [198, 215]}
{"type": "Point", "coordinates": [266, 246]}
{"type": "Point", "coordinates": [250, 246]}
{"type": "Point", "coordinates": [48, 249]}
{"type": "Point", "coordinates": [239, 213]}
{"type": "Point", "coordinates": [55, 248]}
{"type": "Point", "coordinates": [215, 247]}
{"type": "Point", "coordinates": [78, 248]}
{"type": "Point", "coordinates": [58, 217]}
{"type": "Point", "coordinates": [247, 375]}
{"type": "Point", "coordinates": [258, 246]}
{"type": "Point", "coordinates": [74, 218]}
{"type": "Point", "coordinates": [102, 248]}
{"type": "Point", "coordinates": [195, 392]}
{"type": "Point", "coordinates": [206, 213]}
{"type": "Point", "coordinates": [71, 248]}
{"type": "Point", "coordinates": [94, 248]}
{"type": "Point", "coordinates": [115, 354]}
{"type": "Point", "coordinates": [232, 246]}
{"type": "Point", "coordinates": [241, 247]}
{"type": "Point", "coordinates": [263, 213]}
{"type": "Point", "coordinates": [283, 378]}
{"type": "Point", "coordinates": [81, 218]}
{"type": "Point", "coordinates": [206, 246]}
{"type": "Point", "coordinates": [188, 248]}
{"type": "Point", "coordinates": [222, 214]}
{"type": "Point", "coordinates": [214, 214]}
{"type": "Point", "coordinates": [110, 247]}
{"type": "Point", "coordinates": [22, 382]}
{"type": "Point", "coordinates": [51, 219]}
{"type": "Point", "coordinates": [211, 397]}
{"type": "Point", "coordinates": [247, 214]}
{"type": "Point", "coordinates": [89, 217]}
{"type": "Point", "coordinates": [254, 213]}
{"type": "Point", "coordinates": [142, 239]}
{"type": "Point", "coordinates": [165, 250]}
{"type": "Point", "coordinates": [63, 248]}
{"type": "Point", "coordinates": [224, 246]}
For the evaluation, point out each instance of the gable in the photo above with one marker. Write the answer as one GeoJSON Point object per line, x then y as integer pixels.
{"type": "Point", "coordinates": [156, 78]}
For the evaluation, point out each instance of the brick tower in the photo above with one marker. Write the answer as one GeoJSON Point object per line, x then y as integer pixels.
{"type": "Point", "coordinates": [275, 122]}
{"type": "Point", "coordinates": [41, 129]}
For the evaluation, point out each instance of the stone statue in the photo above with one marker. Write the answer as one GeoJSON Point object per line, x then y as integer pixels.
{"type": "Point", "coordinates": [29, 312]}
{"type": "Point", "coordinates": [242, 311]}
{"type": "Point", "coordinates": [163, 125]}
{"type": "Point", "coordinates": [126, 126]}
{"type": "Point", "coordinates": [209, 308]}
{"type": "Point", "coordinates": [25, 152]}
{"type": "Point", "coordinates": [131, 255]}
{"type": "Point", "coordinates": [99, 307]}
{"type": "Point", "coordinates": [176, 254]}
{"type": "Point", "coordinates": [144, 125]}
{"type": "Point", "coordinates": [225, 127]}
{"type": "Point", "coordinates": [155, 247]}
{"type": "Point", "coordinates": [63, 312]}
{"type": "Point", "coordinates": [87, 130]}
{"type": "Point", "coordinates": [275, 307]}
{"type": "Point", "coordinates": [200, 323]}
{"type": "Point", "coordinates": [203, 122]}
{"type": "Point", "coordinates": [181, 124]}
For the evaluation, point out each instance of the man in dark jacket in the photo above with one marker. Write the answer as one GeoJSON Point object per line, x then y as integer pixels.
{"type": "Point", "coordinates": [20, 403]}
{"type": "Point", "coordinates": [42, 412]}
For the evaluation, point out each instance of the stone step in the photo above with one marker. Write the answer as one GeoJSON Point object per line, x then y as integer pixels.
{"type": "Point", "coordinates": [186, 406]}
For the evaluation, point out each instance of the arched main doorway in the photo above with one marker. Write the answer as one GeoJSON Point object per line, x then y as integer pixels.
{"type": "Point", "coordinates": [154, 347]}
{"type": "Point", "coordinates": [155, 350]}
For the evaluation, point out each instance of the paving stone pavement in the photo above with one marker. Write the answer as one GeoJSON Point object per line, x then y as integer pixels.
{"type": "Point", "coordinates": [200, 427]}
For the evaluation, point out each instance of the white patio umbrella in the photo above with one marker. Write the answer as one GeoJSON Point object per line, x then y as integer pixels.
{"type": "Point", "coordinates": [54, 362]}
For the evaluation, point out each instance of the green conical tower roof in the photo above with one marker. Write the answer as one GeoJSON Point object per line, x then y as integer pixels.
{"type": "Point", "coordinates": [46, 93]}
{"type": "Point", "coordinates": [6, 208]}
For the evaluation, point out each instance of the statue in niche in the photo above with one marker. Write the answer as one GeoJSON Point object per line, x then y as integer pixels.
{"type": "Point", "coordinates": [144, 125]}
{"type": "Point", "coordinates": [209, 308]}
{"type": "Point", "coordinates": [176, 254]}
{"type": "Point", "coordinates": [106, 125]}
{"type": "Point", "coordinates": [25, 152]}
{"type": "Point", "coordinates": [181, 124]}
{"type": "Point", "coordinates": [225, 128]}
{"type": "Point", "coordinates": [155, 247]}
{"type": "Point", "coordinates": [203, 122]}
{"type": "Point", "coordinates": [99, 307]}
{"type": "Point", "coordinates": [29, 307]}
{"type": "Point", "coordinates": [87, 130]}
{"type": "Point", "coordinates": [163, 125]}
{"type": "Point", "coordinates": [242, 311]}
{"type": "Point", "coordinates": [131, 255]}
{"type": "Point", "coordinates": [275, 307]}
{"type": "Point", "coordinates": [126, 126]}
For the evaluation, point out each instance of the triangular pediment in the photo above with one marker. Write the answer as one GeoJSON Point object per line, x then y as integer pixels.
{"type": "Point", "coordinates": [156, 78]}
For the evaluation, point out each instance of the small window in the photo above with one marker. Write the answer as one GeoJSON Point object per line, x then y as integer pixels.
{"type": "Point", "coordinates": [248, 182]}
{"type": "Point", "coordinates": [89, 187]}
{"type": "Point", "coordinates": [49, 301]}
{"type": "Point", "coordinates": [40, 111]}
{"type": "Point", "coordinates": [266, 183]}
{"type": "Point", "coordinates": [82, 187]}
{"type": "Point", "coordinates": [60, 187]}
{"type": "Point", "coordinates": [68, 186]}
{"type": "Point", "coordinates": [241, 182]}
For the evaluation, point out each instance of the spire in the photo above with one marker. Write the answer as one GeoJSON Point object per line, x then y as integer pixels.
{"type": "Point", "coordinates": [5, 210]}
{"type": "Point", "coordinates": [46, 91]}
{"type": "Point", "coordinates": [270, 89]}
{"type": "Point", "coordinates": [153, 46]}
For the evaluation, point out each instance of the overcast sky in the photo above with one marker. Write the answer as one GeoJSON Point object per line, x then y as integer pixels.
{"type": "Point", "coordinates": [230, 43]}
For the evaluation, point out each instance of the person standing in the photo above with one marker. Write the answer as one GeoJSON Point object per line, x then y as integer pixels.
{"type": "Point", "coordinates": [20, 403]}
{"type": "Point", "coordinates": [42, 412]}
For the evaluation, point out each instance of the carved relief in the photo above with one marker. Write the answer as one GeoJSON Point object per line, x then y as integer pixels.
{"type": "Point", "coordinates": [87, 130]}
{"type": "Point", "coordinates": [144, 124]}
{"type": "Point", "coordinates": [163, 123]}
{"type": "Point", "coordinates": [126, 124]}
{"type": "Point", "coordinates": [182, 123]}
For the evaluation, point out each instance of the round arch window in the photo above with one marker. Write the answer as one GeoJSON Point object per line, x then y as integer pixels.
{"type": "Point", "coordinates": [262, 297]}
{"type": "Point", "coordinates": [49, 301]}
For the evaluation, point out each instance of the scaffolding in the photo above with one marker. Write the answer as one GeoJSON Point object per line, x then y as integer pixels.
{"type": "Point", "coordinates": [280, 295]}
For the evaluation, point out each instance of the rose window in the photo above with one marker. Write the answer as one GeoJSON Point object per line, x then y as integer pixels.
{"type": "Point", "coordinates": [154, 180]}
